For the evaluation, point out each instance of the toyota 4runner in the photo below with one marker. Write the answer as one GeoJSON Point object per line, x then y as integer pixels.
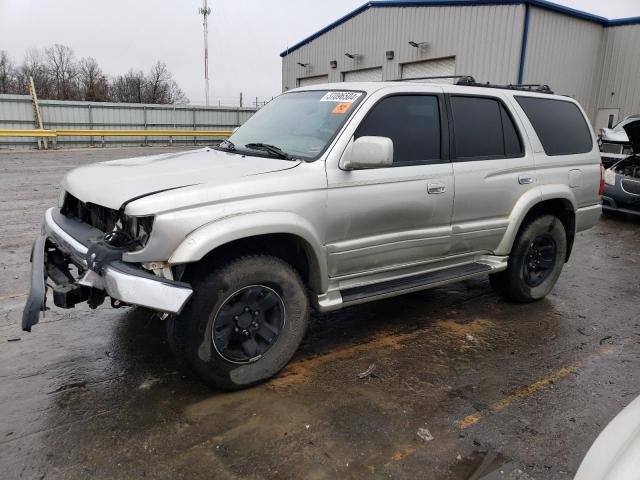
{"type": "Point", "coordinates": [329, 196]}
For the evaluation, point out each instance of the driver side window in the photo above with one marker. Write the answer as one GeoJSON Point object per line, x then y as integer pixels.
{"type": "Point", "coordinates": [412, 122]}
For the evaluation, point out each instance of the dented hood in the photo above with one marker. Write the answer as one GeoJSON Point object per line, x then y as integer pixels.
{"type": "Point", "coordinates": [113, 183]}
{"type": "Point", "coordinates": [633, 132]}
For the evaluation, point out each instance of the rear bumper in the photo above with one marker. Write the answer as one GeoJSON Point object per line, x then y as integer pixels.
{"type": "Point", "coordinates": [119, 280]}
{"type": "Point", "coordinates": [587, 217]}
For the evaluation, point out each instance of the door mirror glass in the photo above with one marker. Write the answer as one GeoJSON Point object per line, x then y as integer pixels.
{"type": "Point", "coordinates": [368, 152]}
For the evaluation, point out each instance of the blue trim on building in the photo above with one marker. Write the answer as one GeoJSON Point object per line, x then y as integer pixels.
{"type": "Point", "coordinates": [450, 3]}
{"type": "Point", "coordinates": [523, 46]}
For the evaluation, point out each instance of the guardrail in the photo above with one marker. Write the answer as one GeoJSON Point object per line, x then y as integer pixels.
{"type": "Point", "coordinates": [54, 134]}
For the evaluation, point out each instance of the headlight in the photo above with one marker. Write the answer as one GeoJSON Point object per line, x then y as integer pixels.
{"type": "Point", "coordinates": [138, 228]}
{"type": "Point", "coordinates": [609, 177]}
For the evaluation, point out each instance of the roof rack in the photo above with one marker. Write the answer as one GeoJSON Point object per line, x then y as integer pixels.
{"type": "Point", "coordinates": [469, 81]}
{"type": "Point", "coordinates": [439, 77]}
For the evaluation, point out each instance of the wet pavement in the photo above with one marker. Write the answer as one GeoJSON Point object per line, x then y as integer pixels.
{"type": "Point", "coordinates": [526, 388]}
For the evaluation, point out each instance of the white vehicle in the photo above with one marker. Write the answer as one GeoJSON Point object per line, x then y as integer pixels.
{"type": "Point", "coordinates": [615, 455]}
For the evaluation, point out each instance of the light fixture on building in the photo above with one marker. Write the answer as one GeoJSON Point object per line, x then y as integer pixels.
{"type": "Point", "coordinates": [419, 44]}
{"type": "Point", "coordinates": [333, 64]}
{"type": "Point", "coordinates": [352, 56]}
{"type": "Point", "coordinates": [303, 65]}
{"type": "Point", "coordinates": [390, 54]}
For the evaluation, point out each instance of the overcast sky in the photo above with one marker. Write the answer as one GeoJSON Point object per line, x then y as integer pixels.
{"type": "Point", "coordinates": [245, 36]}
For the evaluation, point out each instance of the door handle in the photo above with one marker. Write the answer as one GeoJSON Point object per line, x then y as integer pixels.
{"type": "Point", "coordinates": [436, 188]}
{"type": "Point", "coordinates": [525, 179]}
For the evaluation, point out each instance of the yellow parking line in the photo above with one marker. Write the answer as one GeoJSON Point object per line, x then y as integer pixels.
{"type": "Point", "coordinates": [529, 390]}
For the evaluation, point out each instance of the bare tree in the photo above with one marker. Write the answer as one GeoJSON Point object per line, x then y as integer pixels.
{"type": "Point", "coordinates": [92, 82]}
{"type": "Point", "coordinates": [129, 88]}
{"type": "Point", "coordinates": [8, 80]}
{"type": "Point", "coordinates": [162, 88]}
{"type": "Point", "coordinates": [63, 70]}
{"type": "Point", "coordinates": [33, 66]}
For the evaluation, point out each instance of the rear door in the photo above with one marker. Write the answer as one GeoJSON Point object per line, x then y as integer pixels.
{"type": "Point", "coordinates": [491, 164]}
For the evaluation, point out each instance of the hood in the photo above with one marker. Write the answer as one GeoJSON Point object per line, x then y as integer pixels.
{"type": "Point", "coordinates": [113, 183]}
{"type": "Point", "coordinates": [633, 132]}
{"type": "Point", "coordinates": [609, 135]}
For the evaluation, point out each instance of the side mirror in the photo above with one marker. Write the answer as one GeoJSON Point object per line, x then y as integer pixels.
{"type": "Point", "coordinates": [368, 152]}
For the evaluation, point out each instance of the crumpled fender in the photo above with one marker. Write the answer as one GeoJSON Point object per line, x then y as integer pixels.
{"type": "Point", "coordinates": [235, 227]}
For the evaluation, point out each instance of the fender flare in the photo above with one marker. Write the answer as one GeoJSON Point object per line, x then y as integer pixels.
{"type": "Point", "coordinates": [523, 206]}
{"type": "Point", "coordinates": [228, 229]}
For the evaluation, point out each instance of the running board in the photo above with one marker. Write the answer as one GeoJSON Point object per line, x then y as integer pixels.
{"type": "Point", "coordinates": [422, 281]}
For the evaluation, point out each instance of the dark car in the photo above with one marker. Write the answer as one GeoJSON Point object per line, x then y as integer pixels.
{"type": "Point", "coordinates": [622, 179]}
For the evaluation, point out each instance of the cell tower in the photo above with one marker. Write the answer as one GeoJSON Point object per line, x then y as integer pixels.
{"type": "Point", "coordinates": [205, 11]}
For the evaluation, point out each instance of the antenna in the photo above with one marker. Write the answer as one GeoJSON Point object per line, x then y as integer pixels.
{"type": "Point", "coordinates": [205, 11]}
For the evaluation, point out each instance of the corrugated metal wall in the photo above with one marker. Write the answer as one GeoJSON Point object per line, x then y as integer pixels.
{"type": "Point", "coordinates": [565, 53]}
{"type": "Point", "coordinates": [16, 113]}
{"type": "Point", "coordinates": [620, 84]}
{"type": "Point", "coordinates": [484, 39]}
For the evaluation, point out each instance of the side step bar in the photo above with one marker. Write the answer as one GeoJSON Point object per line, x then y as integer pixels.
{"type": "Point", "coordinates": [389, 288]}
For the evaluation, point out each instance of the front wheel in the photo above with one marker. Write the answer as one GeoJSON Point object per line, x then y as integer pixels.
{"type": "Point", "coordinates": [244, 323]}
{"type": "Point", "coordinates": [536, 261]}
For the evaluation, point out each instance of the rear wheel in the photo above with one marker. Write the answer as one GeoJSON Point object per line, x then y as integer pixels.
{"type": "Point", "coordinates": [536, 261]}
{"type": "Point", "coordinates": [245, 321]}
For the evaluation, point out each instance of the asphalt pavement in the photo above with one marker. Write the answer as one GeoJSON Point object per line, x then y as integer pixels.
{"type": "Point", "coordinates": [448, 384]}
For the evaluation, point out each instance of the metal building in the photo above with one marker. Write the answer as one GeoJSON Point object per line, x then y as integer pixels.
{"type": "Point", "coordinates": [591, 58]}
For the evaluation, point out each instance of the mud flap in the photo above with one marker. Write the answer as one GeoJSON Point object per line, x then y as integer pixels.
{"type": "Point", "coordinates": [37, 294]}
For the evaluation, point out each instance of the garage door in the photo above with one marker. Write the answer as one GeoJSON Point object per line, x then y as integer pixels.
{"type": "Point", "coordinates": [365, 75]}
{"type": "Point", "coordinates": [431, 68]}
{"type": "Point", "coordinates": [308, 81]}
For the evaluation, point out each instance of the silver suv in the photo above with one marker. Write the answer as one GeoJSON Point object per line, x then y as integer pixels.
{"type": "Point", "coordinates": [329, 196]}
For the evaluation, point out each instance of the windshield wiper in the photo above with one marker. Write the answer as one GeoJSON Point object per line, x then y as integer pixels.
{"type": "Point", "coordinates": [272, 149]}
{"type": "Point", "coordinates": [227, 145]}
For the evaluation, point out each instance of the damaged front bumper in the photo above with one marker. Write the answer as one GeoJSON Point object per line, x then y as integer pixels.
{"type": "Point", "coordinates": [67, 241]}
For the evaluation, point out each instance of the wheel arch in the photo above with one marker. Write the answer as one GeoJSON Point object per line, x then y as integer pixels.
{"type": "Point", "coordinates": [553, 201]}
{"type": "Point", "coordinates": [282, 235]}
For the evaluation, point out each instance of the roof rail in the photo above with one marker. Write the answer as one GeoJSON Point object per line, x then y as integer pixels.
{"type": "Point", "coordinates": [438, 77]}
{"type": "Point", "coordinates": [525, 87]}
{"type": "Point", "coordinates": [469, 81]}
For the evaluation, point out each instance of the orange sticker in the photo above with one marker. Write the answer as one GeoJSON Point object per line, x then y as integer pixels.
{"type": "Point", "coordinates": [342, 108]}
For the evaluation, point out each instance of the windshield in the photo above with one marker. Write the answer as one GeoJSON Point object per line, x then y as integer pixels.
{"type": "Point", "coordinates": [299, 124]}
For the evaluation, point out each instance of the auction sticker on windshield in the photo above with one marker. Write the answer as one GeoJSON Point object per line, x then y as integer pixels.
{"type": "Point", "coordinates": [343, 97]}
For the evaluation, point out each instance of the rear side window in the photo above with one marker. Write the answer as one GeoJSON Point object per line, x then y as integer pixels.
{"type": "Point", "coordinates": [560, 125]}
{"type": "Point", "coordinates": [483, 129]}
{"type": "Point", "coordinates": [412, 122]}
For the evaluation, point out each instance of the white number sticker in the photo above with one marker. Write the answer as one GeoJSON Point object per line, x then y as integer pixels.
{"type": "Point", "coordinates": [344, 97]}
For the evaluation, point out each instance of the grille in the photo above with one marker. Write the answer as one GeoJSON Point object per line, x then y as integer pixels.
{"type": "Point", "coordinates": [102, 218]}
{"type": "Point", "coordinates": [631, 186]}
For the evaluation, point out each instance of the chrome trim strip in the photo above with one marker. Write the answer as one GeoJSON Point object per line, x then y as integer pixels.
{"type": "Point", "coordinates": [145, 291]}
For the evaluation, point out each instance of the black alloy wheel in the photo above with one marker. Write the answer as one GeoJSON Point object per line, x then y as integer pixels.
{"type": "Point", "coordinates": [248, 323]}
{"type": "Point", "coordinates": [539, 259]}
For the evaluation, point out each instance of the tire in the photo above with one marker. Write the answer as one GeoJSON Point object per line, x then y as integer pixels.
{"type": "Point", "coordinates": [208, 336]}
{"type": "Point", "coordinates": [536, 261]}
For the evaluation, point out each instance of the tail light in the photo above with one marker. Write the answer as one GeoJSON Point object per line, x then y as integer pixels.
{"type": "Point", "coordinates": [601, 189]}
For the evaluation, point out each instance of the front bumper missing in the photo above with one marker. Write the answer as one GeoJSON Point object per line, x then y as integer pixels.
{"type": "Point", "coordinates": [119, 280]}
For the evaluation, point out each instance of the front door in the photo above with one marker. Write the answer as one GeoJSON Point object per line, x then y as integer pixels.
{"type": "Point", "coordinates": [388, 217]}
